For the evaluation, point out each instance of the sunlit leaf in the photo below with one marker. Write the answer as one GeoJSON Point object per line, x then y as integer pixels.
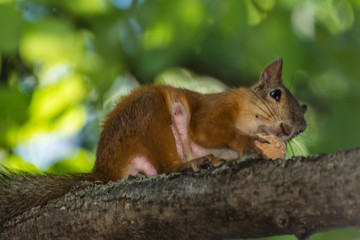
{"type": "Point", "coordinates": [296, 148]}
{"type": "Point", "coordinates": [191, 12]}
{"type": "Point", "coordinates": [303, 20]}
{"type": "Point", "coordinates": [336, 15]}
{"type": "Point", "coordinates": [178, 77]}
{"type": "Point", "coordinates": [81, 161]}
{"type": "Point", "coordinates": [50, 101]}
{"type": "Point", "coordinates": [85, 7]}
{"type": "Point", "coordinates": [6, 1]}
{"type": "Point", "coordinates": [257, 10]}
{"type": "Point", "coordinates": [48, 42]}
{"type": "Point", "coordinates": [71, 121]}
{"type": "Point", "coordinates": [264, 4]}
{"type": "Point", "coordinates": [157, 36]}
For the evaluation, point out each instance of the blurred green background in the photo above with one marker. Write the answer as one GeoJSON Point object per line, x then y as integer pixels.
{"type": "Point", "coordinates": [64, 64]}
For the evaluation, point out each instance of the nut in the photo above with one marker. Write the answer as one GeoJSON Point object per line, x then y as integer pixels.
{"type": "Point", "coordinates": [275, 149]}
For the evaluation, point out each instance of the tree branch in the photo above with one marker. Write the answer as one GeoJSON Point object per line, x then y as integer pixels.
{"type": "Point", "coordinates": [243, 199]}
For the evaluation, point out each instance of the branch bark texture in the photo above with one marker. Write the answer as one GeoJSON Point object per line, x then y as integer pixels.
{"type": "Point", "coordinates": [243, 199]}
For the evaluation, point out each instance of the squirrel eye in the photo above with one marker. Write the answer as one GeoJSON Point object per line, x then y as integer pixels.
{"type": "Point", "coordinates": [276, 94]}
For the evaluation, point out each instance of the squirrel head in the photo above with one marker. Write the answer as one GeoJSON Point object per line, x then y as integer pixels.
{"type": "Point", "coordinates": [273, 109]}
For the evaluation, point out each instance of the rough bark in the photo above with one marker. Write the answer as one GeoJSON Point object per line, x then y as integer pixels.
{"type": "Point", "coordinates": [243, 199]}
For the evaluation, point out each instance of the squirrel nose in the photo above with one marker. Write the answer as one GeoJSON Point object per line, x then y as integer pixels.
{"type": "Point", "coordinates": [285, 130]}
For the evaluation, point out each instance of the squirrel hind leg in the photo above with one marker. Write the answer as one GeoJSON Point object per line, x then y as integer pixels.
{"type": "Point", "coordinates": [179, 147]}
{"type": "Point", "coordinates": [180, 118]}
{"type": "Point", "coordinates": [141, 164]}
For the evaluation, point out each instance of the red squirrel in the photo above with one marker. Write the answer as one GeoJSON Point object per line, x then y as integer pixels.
{"type": "Point", "coordinates": [161, 129]}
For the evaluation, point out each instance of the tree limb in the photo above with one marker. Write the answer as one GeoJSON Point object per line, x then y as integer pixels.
{"type": "Point", "coordinates": [243, 199]}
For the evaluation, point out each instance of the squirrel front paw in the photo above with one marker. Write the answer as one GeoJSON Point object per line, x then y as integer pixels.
{"type": "Point", "coordinates": [206, 161]}
{"type": "Point", "coordinates": [246, 142]}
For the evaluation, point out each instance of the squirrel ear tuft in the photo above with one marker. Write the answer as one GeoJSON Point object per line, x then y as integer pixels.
{"type": "Point", "coordinates": [271, 75]}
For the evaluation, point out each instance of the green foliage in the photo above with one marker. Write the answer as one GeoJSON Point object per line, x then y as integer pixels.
{"type": "Point", "coordinates": [65, 64]}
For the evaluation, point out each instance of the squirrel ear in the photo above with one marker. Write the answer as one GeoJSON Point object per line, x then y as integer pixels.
{"type": "Point", "coordinates": [271, 75]}
{"type": "Point", "coordinates": [303, 108]}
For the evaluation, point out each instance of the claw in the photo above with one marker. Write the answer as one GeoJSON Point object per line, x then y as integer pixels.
{"type": "Point", "coordinates": [208, 161]}
{"type": "Point", "coordinates": [204, 163]}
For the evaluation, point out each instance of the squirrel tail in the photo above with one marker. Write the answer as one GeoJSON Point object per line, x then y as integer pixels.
{"type": "Point", "coordinates": [22, 191]}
